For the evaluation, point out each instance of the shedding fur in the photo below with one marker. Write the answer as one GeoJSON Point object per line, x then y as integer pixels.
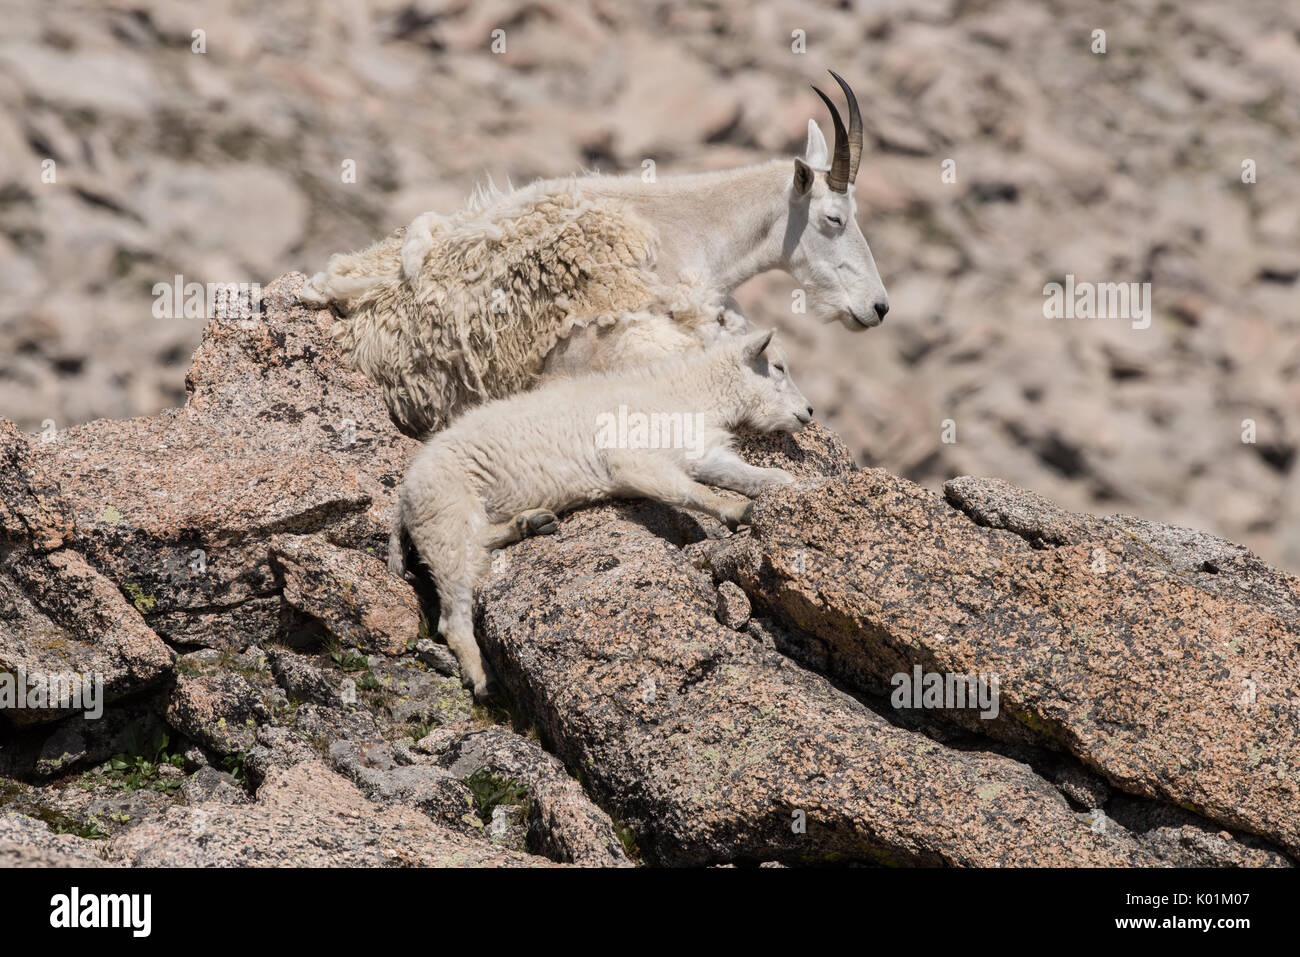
{"type": "Point", "coordinates": [495, 288]}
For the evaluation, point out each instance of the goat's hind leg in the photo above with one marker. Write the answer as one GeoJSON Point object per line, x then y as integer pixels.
{"type": "Point", "coordinates": [456, 625]}
{"type": "Point", "coordinates": [449, 543]}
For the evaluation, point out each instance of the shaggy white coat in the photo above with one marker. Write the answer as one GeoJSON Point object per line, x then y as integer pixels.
{"type": "Point", "coordinates": [456, 310]}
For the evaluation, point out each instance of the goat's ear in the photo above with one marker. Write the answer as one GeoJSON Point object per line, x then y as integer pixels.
{"type": "Point", "coordinates": [756, 345]}
{"type": "Point", "coordinates": [816, 154]}
{"type": "Point", "coordinates": [803, 178]}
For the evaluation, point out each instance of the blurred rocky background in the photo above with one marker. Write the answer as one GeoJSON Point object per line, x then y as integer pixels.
{"type": "Point", "coordinates": [231, 165]}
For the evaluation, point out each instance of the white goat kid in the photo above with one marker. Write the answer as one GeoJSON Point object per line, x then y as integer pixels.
{"type": "Point", "coordinates": [505, 469]}
{"type": "Point", "coordinates": [578, 271]}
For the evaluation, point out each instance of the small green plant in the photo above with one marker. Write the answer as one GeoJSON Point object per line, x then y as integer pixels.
{"type": "Point", "coordinates": [350, 660]}
{"type": "Point", "coordinates": [419, 730]}
{"type": "Point", "coordinates": [490, 791]}
{"type": "Point", "coordinates": [139, 767]}
{"type": "Point", "coordinates": [627, 837]}
{"type": "Point", "coordinates": [234, 766]}
{"type": "Point", "coordinates": [92, 830]}
{"type": "Point", "coordinates": [367, 682]}
{"type": "Point", "coordinates": [140, 774]}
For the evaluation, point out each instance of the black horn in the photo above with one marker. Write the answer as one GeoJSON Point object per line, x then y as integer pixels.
{"type": "Point", "coordinates": [855, 127]}
{"type": "Point", "coordinates": [839, 177]}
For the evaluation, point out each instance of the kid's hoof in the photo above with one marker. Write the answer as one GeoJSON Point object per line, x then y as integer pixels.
{"type": "Point", "coordinates": [486, 691]}
{"type": "Point", "coordinates": [736, 519]}
{"type": "Point", "coordinates": [537, 522]}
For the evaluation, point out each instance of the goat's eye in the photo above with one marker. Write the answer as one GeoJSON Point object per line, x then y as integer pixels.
{"type": "Point", "coordinates": [834, 220]}
{"type": "Point", "coordinates": [778, 367]}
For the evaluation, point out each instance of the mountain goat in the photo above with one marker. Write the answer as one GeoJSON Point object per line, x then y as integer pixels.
{"type": "Point", "coordinates": [504, 470]}
{"type": "Point", "coordinates": [583, 273]}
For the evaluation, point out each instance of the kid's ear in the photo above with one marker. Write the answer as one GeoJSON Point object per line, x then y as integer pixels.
{"type": "Point", "coordinates": [803, 178]}
{"type": "Point", "coordinates": [755, 346]}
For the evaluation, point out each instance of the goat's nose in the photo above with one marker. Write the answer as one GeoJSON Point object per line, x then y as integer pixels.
{"type": "Point", "coordinates": [881, 308]}
{"type": "Point", "coordinates": [810, 411]}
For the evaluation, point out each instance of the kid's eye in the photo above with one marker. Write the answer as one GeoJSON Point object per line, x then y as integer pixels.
{"type": "Point", "coordinates": [835, 220]}
{"type": "Point", "coordinates": [778, 367]}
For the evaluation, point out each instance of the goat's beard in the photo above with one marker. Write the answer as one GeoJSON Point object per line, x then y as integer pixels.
{"type": "Point", "coordinates": [828, 314]}
{"type": "Point", "coordinates": [847, 320]}
{"type": "Point", "coordinates": [852, 324]}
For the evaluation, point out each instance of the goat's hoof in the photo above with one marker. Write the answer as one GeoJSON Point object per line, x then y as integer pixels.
{"type": "Point", "coordinates": [486, 691]}
{"type": "Point", "coordinates": [309, 293]}
{"type": "Point", "coordinates": [737, 518]}
{"type": "Point", "coordinates": [537, 522]}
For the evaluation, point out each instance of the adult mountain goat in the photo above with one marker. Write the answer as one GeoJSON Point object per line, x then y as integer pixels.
{"type": "Point", "coordinates": [595, 272]}
{"type": "Point", "coordinates": [504, 469]}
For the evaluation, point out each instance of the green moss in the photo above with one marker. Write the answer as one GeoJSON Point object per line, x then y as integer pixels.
{"type": "Point", "coordinates": [883, 857]}
{"type": "Point", "coordinates": [18, 799]}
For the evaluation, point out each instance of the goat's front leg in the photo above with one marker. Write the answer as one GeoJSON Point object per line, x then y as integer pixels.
{"type": "Point", "coordinates": [534, 521]}
{"type": "Point", "coordinates": [724, 468]}
{"type": "Point", "coordinates": [646, 476]}
{"type": "Point", "coordinates": [315, 291]}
